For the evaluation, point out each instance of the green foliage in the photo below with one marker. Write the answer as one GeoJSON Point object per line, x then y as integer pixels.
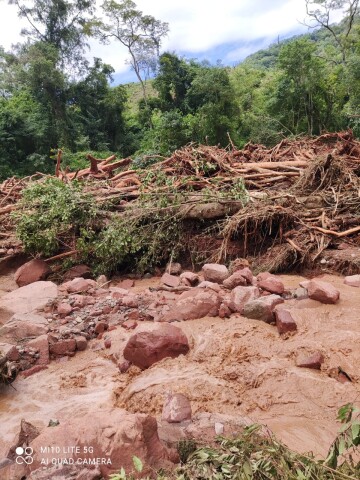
{"type": "Point", "coordinates": [51, 214]}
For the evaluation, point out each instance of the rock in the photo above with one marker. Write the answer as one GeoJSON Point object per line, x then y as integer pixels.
{"type": "Point", "coordinates": [352, 281]}
{"type": "Point", "coordinates": [300, 293]}
{"type": "Point", "coordinates": [9, 351]}
{"type": "Point", "coordinates": [214, 272]}
{"type": "Point", "coordinates": [79, 285]}
{"type": "Point", "coordinates": [77, 271]}
{"type": "Point", "coordinates": [177, 408]}
{"type": "Point", "coordinates": [102, 281]}
{"type": "Point", "coordinates": [32, 370]}
{"type": "Point", "coordinates": [196, 303]}
{"type": "Point", "coordinates": [118, 293]}
{"type": "Point", "coordinates": [241, 295]}
{"type": "Point", "coordinates": [270, 283]}
{"type": "Point", "coordinates": [114, 435]}
{"type": "Point", "coordinates": [81, 343]}
{"type": "Point", "coordinates": [63, 347]}
{"type": "Point", "coordinates": [129, 324]}
{"type": "Point", "coordinates": [41, 344]}
{"type": "Point", "coordinates": [146, 348]}
{"type": "Point", "coordinates": [214, 286]}
{"type": "Point", "coordinates": [64, 309]}
{"type": "Point", "coordinates": [170, 280]}
{"type": "Point", "coordinates": [124, 366]}
{"type": "Point", "coordinates": [322, 292]}
{"type": "Point", "coordinates": [27, 299]}
{"type": "Point", "coordinates": [219, 428]}
{"type": "Point", "coordinates": [31, 272]}
{"type": "Point", "coordinates": [101, 327]}
{"type": "Point", "coordinates": [304, 284]}
{"type": "Point", "coordinates": [313, 361]}
{"type": "Point", "coordinates": [107, 343]}
{"type": "Point", "coordinates": [24, 325]}
{"type": "Point", "coordinates": [284, 321]}
{"type": "Point", "coordinates": [126, 284]}
{"type": "Point", "coordinates": [130, 301]}
{"type": "Point", "coordinates": [235, 280]}
{"type": "Point", "coordinates": [190, 277]}
{"type": "Point", "coordinates": [238, 264]}
{"type": "Point", "coordinates": [25, 436]}
{"type": "Point", "coordinates": [224, 311]}
{"type": "Point", "coordinates": [173, 268]}
{"type": "Point", "coordinates": [262, 308]}
{"type": "Point", "coordinates": [247, 274]}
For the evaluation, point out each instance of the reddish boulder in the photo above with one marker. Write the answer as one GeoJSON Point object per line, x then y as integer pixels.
{"type": "Point", "coordinates": [196, 303]}
{"type": "Point", "coordinates": [284, 321]}
{"type": "Point", "coordinates": [24, 325]}
{"type": "Point", "coordinates": [63, 347]}
{"type": "Point", "coordinates": [64, 309]}
{"type": "Point", "coordinates": [41, 344]}
{"type": "Point", "coordinates": [262, 308]}
{"type": "Point", "coordinates": [124, 366]}
{"type": "Point", "coordinates": [313, 361]}
{"type": "Point", "coordinates": [177, 408]}
{"type": "Point", "coordinates": [240, 296]}
{"type": "Point", "coordinates": [9, 351]}
{"type": "Point", "coordinates": [170, 280]}
{"type": "Point", "coordinates": [189, 278]}
{"type": "Point", "coordinates": [206, 284]}
{"type": "Point", "coordinates": [79, 285]}
{"type": "Point", "coordinates": [34, 369]}
{"type": "Point", "coordinates": [81, 343]}
{"type": "Point", "coordinates": [126, 284]}
{"type": "Point", "coordinates": [146, 348]}
{"type": "Point", "coordinates": [129, 324]}
{"type": "Point", "coordinates": [31, 272]}
{"type": "Point", "coordinates": [270, 283]}
{"type": "Point", "coordinates": [352, 281]}
{"type": "Point", "coordinates": [224, 311]}
{"type": "Point", "coordinates": [101, 327]}
{"type": "Point", "coordinates": [118, 293]}
{"type": "Point", "coordinates": [322, 292]}
{"type": "Point", "coordinates": [235, 280]}
{"type": "Point", "coordinates": [77, 271]}
{"type": "Point", "coordinates": [214, 272]}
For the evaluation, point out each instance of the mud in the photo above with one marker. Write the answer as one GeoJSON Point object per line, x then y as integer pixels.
{"type": "Point", "coordinates": [236, 366]}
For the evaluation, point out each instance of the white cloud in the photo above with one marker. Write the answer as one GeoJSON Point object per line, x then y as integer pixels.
{"type": "Point", "coordinates": [196, 26]}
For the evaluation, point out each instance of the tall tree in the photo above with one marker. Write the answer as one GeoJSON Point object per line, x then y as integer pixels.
{"type": "Point", "coordinates": [140, 34]}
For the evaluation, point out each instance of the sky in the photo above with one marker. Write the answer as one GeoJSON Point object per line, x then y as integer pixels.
{"type": "Point", "coordinates": [226, 30]}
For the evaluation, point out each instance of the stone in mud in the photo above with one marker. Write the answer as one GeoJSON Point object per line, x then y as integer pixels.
{"type": "Point", "coordinates": [146, 348]}
{"type": "Point", "coordinates": [101, 327]}
{"type": "Point", "coordinates": [78, 271]}
{"type": "Point", "coordinates": [177, 408]}
{"type": "Point", "coordinates": [313, 361]}
{"type": "Point", "coordinates": [63, 347]}
{"type": "Point", "coordinates": [284, 321]}
{"type": "Point", "coordinates": [27, 299]}
{"type": "Point", "coordinates": [270, 283]}
{"type": "Point", "coordinates": [262, 308]}
{"type": "Point", "coordinates": [41, 344]}
{"type": "Point", "coordinates": [322, 292]}
{"type": "Point", "coordinates": [239, 296]}
{"type": "Point", "coordinates": [31, 272]}
{"type": "Point", "coordinates": [235, 280]}
{"type": "Point", "coordinates": [196, 303]}
{"type": "Point", "coordinates": [21, 326]}
{"type": "Point", "coordinates": [114, 434]}
{"type": "Point", "coordinates": [300, 293]}
{"type": "Point", "coordinates": [81, 343]}
{"type": "Point", "coordinates": [170, 280]}
{"type": "Point", "coordinates": [352, 281]}
{"type": "Point", "coordinates": [214, 272]}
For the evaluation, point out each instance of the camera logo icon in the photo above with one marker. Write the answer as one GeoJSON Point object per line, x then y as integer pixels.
{"type": "Point", "coordinates": [24, 455]}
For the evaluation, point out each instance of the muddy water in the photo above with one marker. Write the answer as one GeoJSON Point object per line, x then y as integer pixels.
{"type": "Point", "coordinates": [236, 366]}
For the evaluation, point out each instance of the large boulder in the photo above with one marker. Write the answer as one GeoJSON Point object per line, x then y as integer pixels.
{"type": "Point", "coordinates": [196, 303]}
{"type": "Point", "coordinates": [322, 291]}
{"type": "Point", "coordinates": [239, 296]}
{"type": "Point", "coordinates": [270, 283]}
{"type": "Point", "coordinates": [41, 344]}
{"type": "Point", "coordinates": [262, 308]}
{"type": "Point", "coordinates": [78, 271]}
{"type": "Point", "coordinates": [146, 348]}
{"type": "Point", "coordinates": [23, 325]}
{"type": "Point", "coordinates": [27, 299]}
{"type": "Point", "coordinates": [110, 436]}
{"type": "Point", "coordinates": [235, 280]}
{"type": "Point", "coordinates": [31, 272]}
{"type": "Point", "coordinates": [213, 272]}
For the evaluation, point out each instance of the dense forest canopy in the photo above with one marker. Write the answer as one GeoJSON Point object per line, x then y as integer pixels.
{"type": "Point", "coordinates": [52, 97]}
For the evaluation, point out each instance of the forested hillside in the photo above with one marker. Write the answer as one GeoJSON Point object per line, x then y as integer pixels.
{"type": "Point", "coordinates": [51, 97]}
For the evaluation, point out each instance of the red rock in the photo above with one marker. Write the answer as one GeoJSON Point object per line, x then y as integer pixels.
{"type": "Point", "coordinates": [118, 293]}
{"type": "Point", "coordinates": [224, 311]}
{"type": "Point", "coordinates": [126, 284]}
{"type": "Point", "coordinates": [77, 271]}
{"type": "Point", "coordinates": [124, 366]}
{"type": "Point", "coordinates": [31, 272]}
{"type": "Point", "coordinates": [79, 285]}
{"type": "Point", "coordinates": [63, 347]}
{"type": "Point", "coordinates": [41, 344]}
{"type": "Point", "coordinates": [270, 283]}
{"type": "Point", "coordinates": [106, 310]}
{"type": "Point", "coordinates": [112, 433]}
{"type": "Point", "coordinates": [284, 321]}
{"type": "Point", "coordinates": [247, 274]}
{"type": "Point", "coordinates": [314, 361]}
{"type": "Point", "coordinates": [190, 277]}
{"type": "Point", "coordinates": [64, 309]}
{"type": "Point", "coordinates": [22, 326]}
{"type": "Point", "coordinates": [34, 369]}
{"type": "Point", "coordinates": [107, 343]}
{"type": "Point", "coordinates": [81, 343]}
{"type": "Point", "coordinates": [196, 303]}
{"type": "Point", "coordinates": [214, 286]}
{"type": "Point", "coordinates": [214, 272]}
{"type": "Point", "coordinates": [240, 296]}
{"type": "Point", "coordinates": [130, 301]}
{"type": "Point", "coordinates": [322, 292]}
{"type": "Point", "coordinates": [146, 348]}
{"type": "Point", "coordinates": [262, 308]}
{"type": "Point", "coordinates": [177, 408]}
{"type": "Point", "coordinates": [129, 324]}
{"type": "Point", "coordinates": [173, 268]}
{"type": "Point", "coordinates": [100, 327]}
{"type": "Point", "coordinates": [133, 315]}
{"type": "Point", "coordinates": [170, 280]}
{"type": "Point", "coordinates": [9, 351]}
{"type": "Point", "coordinates": [352, 281]}
{"type": "Point", "coordinates": [235, 280]}
{"type": "Point", "coordinates": [238, 264]}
